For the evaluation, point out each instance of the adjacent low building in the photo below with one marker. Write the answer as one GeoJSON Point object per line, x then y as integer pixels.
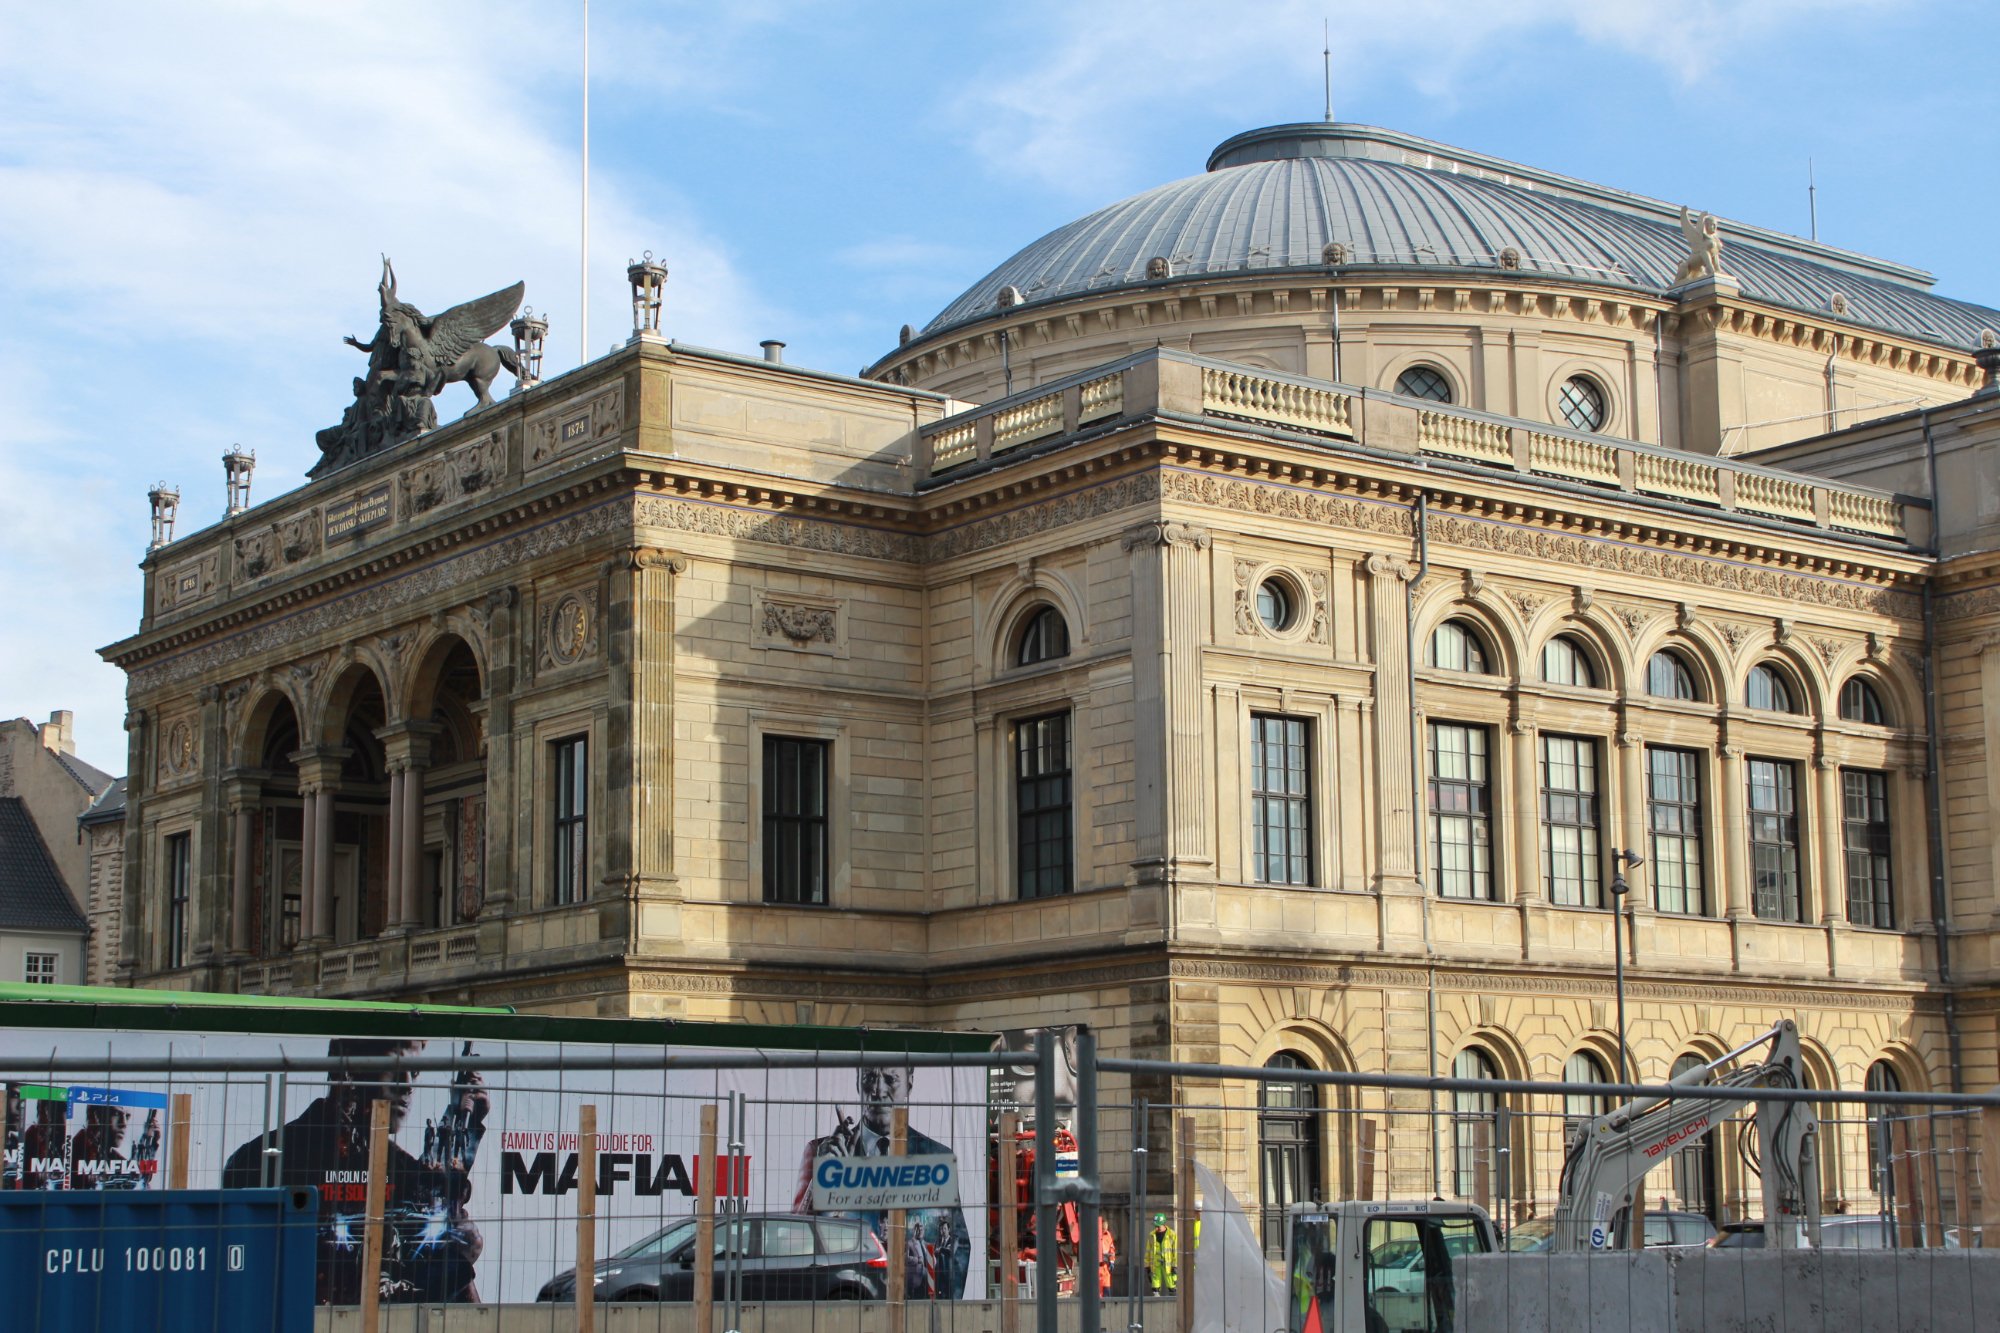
{"type": "Point", "coordinates": [45, 867]}
{"type": "Point", "coordinates": [1250, 620]}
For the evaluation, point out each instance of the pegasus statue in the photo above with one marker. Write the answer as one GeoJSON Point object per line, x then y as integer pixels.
{"type": "Point", "coordinates": [411, 359]}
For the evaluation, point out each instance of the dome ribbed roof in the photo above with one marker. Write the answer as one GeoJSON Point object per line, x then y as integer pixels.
{"type": "Point", "coordinates": [1273, 199]}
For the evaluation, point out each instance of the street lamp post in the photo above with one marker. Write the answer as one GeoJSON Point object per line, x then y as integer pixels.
{"type": "Point", "coordinates": [1622, 859]}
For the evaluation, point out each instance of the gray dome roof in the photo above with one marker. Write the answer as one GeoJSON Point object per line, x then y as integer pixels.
{"type": "Point", "coordinates": [1272, 200]}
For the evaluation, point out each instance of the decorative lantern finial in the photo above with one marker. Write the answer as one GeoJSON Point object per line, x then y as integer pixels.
{"type": "Point", "coordinates": [165, 502]}
{"type": "Point", "coordinates": [649, 292]}
{"type": "Point", "coordinates": [237, 467]}
{"type": "Point", "coordinates": [530, 332]}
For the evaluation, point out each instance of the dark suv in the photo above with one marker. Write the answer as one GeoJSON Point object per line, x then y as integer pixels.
{"type": "Point", "coordinates": [784, 1257]}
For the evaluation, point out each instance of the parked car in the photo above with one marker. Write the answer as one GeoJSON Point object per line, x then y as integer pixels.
{"type": "Point", "coordinates": [784, 1257]}
{"type": "Point", "coordinates": [1856, 1232]}
{"type": "Point", "coordinates": [1664, 1230]}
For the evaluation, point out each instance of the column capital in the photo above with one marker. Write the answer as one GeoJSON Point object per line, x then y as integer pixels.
{"type": "Point", "coordinates": [406, 744]}
{"type": "Point", "coordinates": [652, 557]}
{"type": "Point", "coordinates": [1162, 532]}
{"type": "Point", "coordinates": [319, 765]}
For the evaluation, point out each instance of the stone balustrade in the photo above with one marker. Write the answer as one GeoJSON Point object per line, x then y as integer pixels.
{"type": "Point", "coordinates": [1170, 384]}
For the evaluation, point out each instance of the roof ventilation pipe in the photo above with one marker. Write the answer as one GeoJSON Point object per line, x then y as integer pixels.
{"type": "Point", "coordinates": [774, 351]}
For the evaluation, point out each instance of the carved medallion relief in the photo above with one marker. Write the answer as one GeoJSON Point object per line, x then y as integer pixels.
{"type": "Point", "coordinates": [568, 634]}
{"type": "Point", "coordinates": [180, 749]}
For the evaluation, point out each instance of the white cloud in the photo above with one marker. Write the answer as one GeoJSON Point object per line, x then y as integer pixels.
{"type": "Point", "coordinates": [1061, 110]}
{"type": "Point", "coordinates": [192, 201]}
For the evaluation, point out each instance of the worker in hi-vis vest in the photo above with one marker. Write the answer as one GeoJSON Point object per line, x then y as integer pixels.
{"type": "Point", "coordinates": [1162, 1257]}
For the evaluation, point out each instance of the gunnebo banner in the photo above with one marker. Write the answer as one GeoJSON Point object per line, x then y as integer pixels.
{"type": "Point", "coordinates": [482, 1167]}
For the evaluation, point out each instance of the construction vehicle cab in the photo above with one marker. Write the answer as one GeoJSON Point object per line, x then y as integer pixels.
{"type": "Point", "coordinates": [1366, 1267]}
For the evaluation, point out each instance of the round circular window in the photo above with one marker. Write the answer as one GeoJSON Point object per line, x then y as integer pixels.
{"type": "Point", "coordinates": [1276, 608]}
{"type": "Point", "coordinates": [1581, 403]}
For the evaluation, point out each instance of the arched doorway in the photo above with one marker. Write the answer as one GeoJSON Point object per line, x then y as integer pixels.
{"type": "Point", "coordinates": [1476, 1131]}
{"type": "Point", "coordinates": [439, 790]}
{"type": "Point", "coordinates": [1289, 1147]}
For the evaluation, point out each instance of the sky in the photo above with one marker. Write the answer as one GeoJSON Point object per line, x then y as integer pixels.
{"type": "Point", "coordinates": [194, 198]}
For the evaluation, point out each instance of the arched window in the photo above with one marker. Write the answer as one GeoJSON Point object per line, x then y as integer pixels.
{"type": "Point", "coordinates": [1566, 662]}
{"type": "Point", "coordinates": [1579, 1108]}
{"type": "Point", "coordinates": [1475, 1127]}
{"type": "Point", "coordinates": [1043, 639]}
{"type": "Point", "coordinates": [1422, 381]}
{"type": "Point", "coordinates": [1767, 689]}
{"type": "Point", "coordinates": [1882, 1077]}
{"type": "Point", "coordinates": [1582, 403]}
{"type": "Point", "coordinates": [1859, 702]}
{"type": "Point", "coordinates": [1456, 646]}
{"type": "Point", "coordinates": [1694, 1165]}
{"type": "Point", "coordinates": [1288, 1147]}
{"type": "Point", "coordinates": [1668, 676]}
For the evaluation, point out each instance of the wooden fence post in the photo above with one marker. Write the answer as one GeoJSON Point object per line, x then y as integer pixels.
{"type": "Point", "coordinates": [179, 1129]}
{"type": "Point", "coordinates": [586, 1219]}
{"type": "Point", "coordinates": [377, 1197]}
{"type": "Point", "coordinates": [1365, 1185]}
{"type": "Point", "coordinates": [704, 1227]}
{"type": "Point", "coordinates": [1010, 1220]}
{"type": "Point", "coordinates": [1906, 1179]}
{"type": "Point", "coordinates": [897, 1241]}
{"type": "Point", "coordinates": [1187, 1220]}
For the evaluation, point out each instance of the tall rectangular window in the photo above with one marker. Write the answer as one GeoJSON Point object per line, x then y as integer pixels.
{"type": "Point", "coordinates": [1043, 851]}
{"type": "Point", "coordinates": [570, 881]}
{"type": "Point", "coordinates": [1571, 868]}
{"type": "Point", "coordinates": [180, 883]}
{"type": "Point", "coordinates": [1774, 841]}
{"type": "Point", "coordinates": [795, 827]}
{"type": "Point", "coordinates": [41, 969]}
{"type": "Point", "coordinates": [1281, 799]}
{"type": "Point", "coordinates": [1673, 822]}
{"type": "Point", "coordinates": [1865, 837]}
{"type": "Point", "coordinates": [1461, 811]}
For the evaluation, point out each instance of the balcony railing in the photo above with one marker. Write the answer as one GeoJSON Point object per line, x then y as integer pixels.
{"type": "Point", "coordinates": [1170, 384]}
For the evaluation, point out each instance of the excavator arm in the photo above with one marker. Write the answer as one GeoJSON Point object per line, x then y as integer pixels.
{"type": "Point", "coordinates": [1609, 1157]}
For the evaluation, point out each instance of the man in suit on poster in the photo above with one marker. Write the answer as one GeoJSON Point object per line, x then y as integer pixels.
{"type": "Point", "coordinates": [941, 1231]}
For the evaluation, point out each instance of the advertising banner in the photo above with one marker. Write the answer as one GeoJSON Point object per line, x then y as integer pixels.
{"type": "Point", "coordinates": [482, 1164]}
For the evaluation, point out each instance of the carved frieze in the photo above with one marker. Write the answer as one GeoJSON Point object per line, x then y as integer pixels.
{"type": "Point", "coordinates": [257, 553]}
{"type": "Point", "coordinates": [796, 623]}
{"type": "Point", "coordinates": [575, 425]}
{"type": "Point", "coordinates": [570, 623]}
{"type": "Point", "coordinates": [298, 537]}
{"type": "Point", "coordinates": [453, 475]}
{"type": "Point", "coordinates": [285, 632]}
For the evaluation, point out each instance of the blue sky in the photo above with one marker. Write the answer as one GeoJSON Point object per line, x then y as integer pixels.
{"type": "Point", "coordinates": [193, 197]}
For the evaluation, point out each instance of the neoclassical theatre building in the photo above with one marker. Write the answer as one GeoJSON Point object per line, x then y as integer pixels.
{"type": "Point", "coordinates": [1248, 620]}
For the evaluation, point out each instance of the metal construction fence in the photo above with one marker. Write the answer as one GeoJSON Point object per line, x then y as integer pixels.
{"type": "Point", "coordinates": [500, 1176]}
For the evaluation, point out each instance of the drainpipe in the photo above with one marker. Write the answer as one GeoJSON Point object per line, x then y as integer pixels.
{"type": "Point", "coordinates": [1420, 520]}
{"type": "Point", "coordinates": [1933, 778]}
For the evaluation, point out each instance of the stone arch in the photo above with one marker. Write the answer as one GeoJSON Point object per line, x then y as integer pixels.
{"type": "Point", "coordinates": [1811, 701]}
{"type": "Point", "coordinates": [1500, 637]}
{"type": "Point", "coordinates": [446, 688]}
{"type": "Point", "coordinates": [1701, 654]}
{"type": "Point", "coordinates": [1822, 1073]}
{"type": "Point", "coordinates": [1017, 600]}
{"type": "Point", "coordinates": [272, 714]}
{"type": "Point", "coordinates": [1595, 637]}
{"type": "Point", "coordinates": [1394, 368]}
{"type": "Point", "coordinates": [1906, 1061]}
{"type": "Point", "coordinates": [1901, 698]}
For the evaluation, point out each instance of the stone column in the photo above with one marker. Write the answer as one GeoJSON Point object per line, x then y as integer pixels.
{"type": "Point", "coordinates": [1396, 768]}
{"type": "Point", "coordinates": [630, 873]}
{"type": "Point", "coordinates": [129, 897]}
{"type": "Point", "coordinates": [502, 644]}
{"type": "Point", "coordinates": [412, 843]}
{"type": "Point", "coordinates": [392, 916]}
{"type": "Point", "coordinates": [1169, 607]}
{"type": "Point", "coordinates": [244, 792]}
{"type": "Point", "coordinates": [1828, 831]}
{"type": "Point", "coordinates": [319, 779]}
{"type": "Point", "coordinates": [1734, 829]}
{"type": "Point", "coordinates": [1523, 747]}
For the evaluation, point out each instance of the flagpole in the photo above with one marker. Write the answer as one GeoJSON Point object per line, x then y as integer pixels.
{"type": "Point", "coordinates": [583, 322]}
